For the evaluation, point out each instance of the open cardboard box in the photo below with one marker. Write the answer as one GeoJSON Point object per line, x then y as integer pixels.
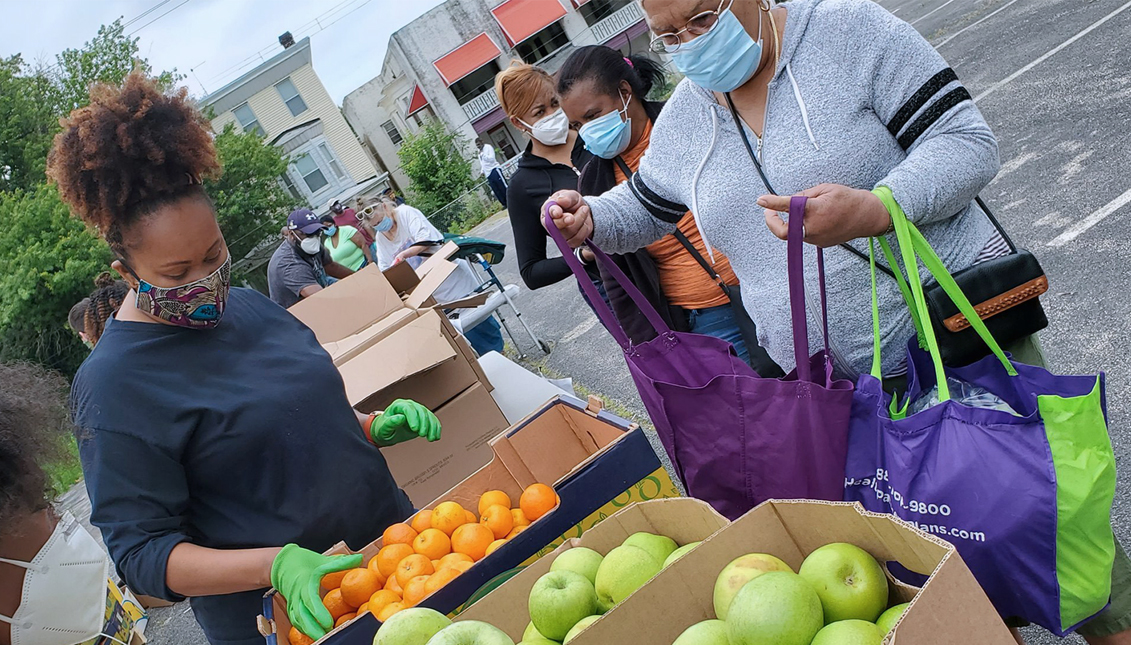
{"type": "Point", "coordinates": [348, 306]}
{"type": "Point", "coordinates": [597, 462]}
{"type": "Point", "coordinates": [950, 608]}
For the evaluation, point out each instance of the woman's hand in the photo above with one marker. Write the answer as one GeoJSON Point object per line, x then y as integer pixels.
{"type": "Point", "coordinates": [834, 214]}
{"type": "Point", "coordinates": [571, 215]}
{"type": "Point", "coordinates": [402, 421]}
{"type": "Point", "coordinates": [297, 573]}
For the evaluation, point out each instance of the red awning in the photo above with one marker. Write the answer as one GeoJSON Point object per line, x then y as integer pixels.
{"type": "Point", "coordinates": [467, 58]}
{"type": "Point", "coordinates": [417, 102]}
{"type": "Point", "coordinates": [521, 19]}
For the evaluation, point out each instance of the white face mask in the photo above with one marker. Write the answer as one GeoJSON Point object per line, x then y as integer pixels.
{"type": "Point", "coordinates": [64, 595]}
{"type": "Point", "coordinates": [311, 245]}
{"type": "Point", "coordinates": [551, 130]}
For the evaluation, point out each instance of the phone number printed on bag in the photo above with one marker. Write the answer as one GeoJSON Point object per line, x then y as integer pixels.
{"type": "Point", "coordinates": [880, 484]}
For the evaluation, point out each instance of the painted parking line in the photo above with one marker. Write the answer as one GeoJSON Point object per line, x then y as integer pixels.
{"type": "Point", "coordinates": [976, 23]}
{"type": "Point", "coordinates": [1077, 229]}
{"type": "Point", "coordinates": [931, 11]}
{"type": "Point", "coordinates": [1050, 53]}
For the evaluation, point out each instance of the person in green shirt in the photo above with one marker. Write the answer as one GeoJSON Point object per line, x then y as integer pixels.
{"type": "Point", "coordinates": [346, 245]}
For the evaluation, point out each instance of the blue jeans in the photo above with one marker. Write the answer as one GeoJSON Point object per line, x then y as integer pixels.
{"type": "Point", "coordinates": [720, 323]}
{"type": "Point", "coordinates": [485, 337]}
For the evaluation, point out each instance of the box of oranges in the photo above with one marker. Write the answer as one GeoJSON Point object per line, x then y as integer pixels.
{"type": "Point", "coordinates": [553, 476]}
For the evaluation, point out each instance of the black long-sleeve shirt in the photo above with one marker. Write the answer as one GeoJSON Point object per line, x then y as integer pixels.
{"type": "Point", "coordinates": [529, 188]}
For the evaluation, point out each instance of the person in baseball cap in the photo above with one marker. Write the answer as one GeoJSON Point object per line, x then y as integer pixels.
{"type": "Point", "coordinates": [301, 266]}
{"type": "Point", "coordinates": [343, 216]}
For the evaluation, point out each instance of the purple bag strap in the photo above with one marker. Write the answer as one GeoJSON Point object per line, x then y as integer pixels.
{"type": "Point", "coordinates": [795, 250]}
{"type": "Point", "coordinates": [598, 303]}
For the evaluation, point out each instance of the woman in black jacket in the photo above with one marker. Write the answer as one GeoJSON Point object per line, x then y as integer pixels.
{"type": "Point", "coordinates": [528, 96]}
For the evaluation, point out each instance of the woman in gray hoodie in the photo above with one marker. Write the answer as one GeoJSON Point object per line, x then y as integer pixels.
{"type": "Point", "coordinates": [836, 98]}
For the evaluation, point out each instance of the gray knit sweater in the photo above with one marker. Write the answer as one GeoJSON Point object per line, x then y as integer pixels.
{"type": "Point", "coordinates": [850, 75]}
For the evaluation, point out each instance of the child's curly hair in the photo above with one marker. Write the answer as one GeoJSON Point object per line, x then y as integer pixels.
{"type": "Point", "coordinates": [131, 151]}
{"type": "Point", "coordinates": [107, 298]}
{"type": "Point", "coordinates": [33, 429]}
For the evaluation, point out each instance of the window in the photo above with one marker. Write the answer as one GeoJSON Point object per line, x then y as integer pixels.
{"type": "Point", "coordinates": [311, 173]}
{"type": "Point", "coordinates": [475, 83]}
{"type": "Point", "coordinates": [248, 121]}
{"type": "Point", "coordinates": [390, 129]}
{"type": "Point", "coordinates": [332, 160]}
{"type": "Point", "coordinates": [539, 46]}
{"type": "Point", "coordinates": [595, 11]}
{"type": "Point", "coordinates": [290, 186]}
{"type": "Point", "coordinates": [291, 97]}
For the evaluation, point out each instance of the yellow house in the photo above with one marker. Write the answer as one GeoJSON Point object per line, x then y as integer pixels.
{"type": "Point", "coordinates": [283, 100]}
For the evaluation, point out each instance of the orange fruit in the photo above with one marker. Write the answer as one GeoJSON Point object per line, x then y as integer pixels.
{"type": "Point", "coordinates": [491, 498]}
{"type": "Point", "coordinates": [412, 566]}
{"type": "Point", "coordinates": [516, 530]}
{"type": "Point", "coordinates": [389, 610]}
{"type": "Point", "coordinates": [519, 517]}
{"type": "Point", "coordinates": [390, 556]}
{"type": "Point", "coordinates": [472, 540]}
{"type": "Point", "coordinates": [447, 516]}
{"type": "Point", "coordinates": [452, 558]}
{"type": "Point", "coordinates": [421, 521]}
{"type": "Point", "coordinates": [373, 566]}
{"type": "Point", "coordinates": [335, 604]}
{"type": "Point", "coordinates": [537, 500]}
{"type": "Point", "coordinates": [298, 638]}
{"type": "Point", "coordinates": [333, 580]}
{"type": "Point", "coordinates": [495, 545]}
{"type": "Point", "coordinates": [461, 566]}
{"type": "Point", "coordinates": [399, 533]}
{"type": "Point", "coordinates": [414, 591]}
{"type": "Point", "coordinates": [435, 565]}
{"type": "Point", "coordinates": [471, 519]}
{"type": "Point", "coordinates": [498, 518]}
{"type": "Point", "coordinates": [392, 585]}
{"type": "Point", "coordinates": [440, 578]}
{"type": "Point", "coordinates": [364, 608]}
{"type": "Point", "coordinates": [358, 586]}
{"type": "Point", "coordinates": [433, 543]}
{"type": "Point", "coordinates": [380, 600]}
{"type": "Point", "coordinates": [342, 620]}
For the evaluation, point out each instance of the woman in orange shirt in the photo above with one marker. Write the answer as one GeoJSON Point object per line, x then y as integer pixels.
{"type": "Point", "coordinates": [602, 93]}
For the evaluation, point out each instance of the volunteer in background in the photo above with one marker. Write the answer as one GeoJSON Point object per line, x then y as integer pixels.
{"type": "Point", "coordinates": [107, 298]}
{"type": "Point", "coordinates": [399, 229]}
{"type": "Point", "coordinates": [342, 216]}
{"type": "Point", "coordinates": [529, 97]}
{"type": "Point", "coordinates": [76, 319]}
{"type": "Point", "coordinates": [346, 244]}
{"type": "Point", "coordinates": [836, 98]}
{"type": "Point", "coordinates": [489, 165]}
{"type": "Point", "coordinates": [61, 598]}
{"type": "Point", "coordinates": [212, 426]}
{"type": "Point", "coordinates": [301, 266]}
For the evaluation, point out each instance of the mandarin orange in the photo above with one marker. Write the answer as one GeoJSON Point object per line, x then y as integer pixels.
{"type": "Point", "coordinates": [389, 610]}
{"type": "Point", "coordinates": [412, 566]}
{"type": "Point", "coordinates": [498, 518]}
{"type": "Point", "coordinates": [452, 558]}
{"type": "Point", "coordinates": [390, 556]}
{"type": "Point", "coordinates": [472, 540]}
{"type": "Point", "coordinates": [298, 638]}
{"type": "Point", "coordinates": [537, 500]}
{"type": "Point", "coordinates": [421, 521]}
{"type": "Point", "coordinates": [447, 516]}
{"type": "Point", "coordinates": [399, 533]}
{"type": "Point", "coordinates": [491, 498]}
{"type": "Point", "coordinates": [440, 578]}
{"type": "Point", "coordinates": [433, 543]}
{"type": "Point", "coordinates": [414, 591]}
{"type": "Point", "coordinates": [335, 604]}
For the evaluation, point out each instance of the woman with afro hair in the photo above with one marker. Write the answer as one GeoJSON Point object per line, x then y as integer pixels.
{"type": "Point", "coordinates": [213, 428]}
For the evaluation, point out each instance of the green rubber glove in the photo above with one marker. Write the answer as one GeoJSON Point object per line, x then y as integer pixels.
{"type": "Point", "coordinates": [404, 420]}
{"type": "Point", "coordinates": [297, 573]}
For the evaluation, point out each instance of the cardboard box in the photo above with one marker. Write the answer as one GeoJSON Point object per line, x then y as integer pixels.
{"type": "Point", "coordinates": [349, 347]}
{"type": "Point", "coordinates": [597, 462]}
{"type": "Point", "coordinates": [417, 360]}
{"type": "Point", "coordinates": [682, 519]}
{"type": "Point", "coordinates": [348, 306]}
{"type": "Point", "coordinates": [425, 470]}
{"type": "Point", "coordinates": [949, 609]}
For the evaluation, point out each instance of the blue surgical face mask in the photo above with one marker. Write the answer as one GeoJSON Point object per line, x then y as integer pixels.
{"type": "Point", "coordinates": [723, 59]}
{"type": "Point", "coordinates": [332, 230]}
{"type": "Point", "coordinates": [384, 225]}
{"type": "Point", "coordinates": [608, 135]}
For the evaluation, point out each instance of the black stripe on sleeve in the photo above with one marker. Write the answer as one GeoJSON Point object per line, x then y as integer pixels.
{"type": "Point", "coordinates": [928, 118]}
{"type": "Point", "coordinates": [662, 209]}
{"type": "Point", "coordinates": [920, 98]}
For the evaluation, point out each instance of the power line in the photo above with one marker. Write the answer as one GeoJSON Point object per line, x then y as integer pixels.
{"type": "Point", "coordinates": [145, 13]}
{"type": "Point", "coordinates": [183, 3]}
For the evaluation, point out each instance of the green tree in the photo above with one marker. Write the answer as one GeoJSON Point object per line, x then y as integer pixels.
{"type": "Point", "coordinates": [434, 162]}
{"type": "Point", "coordinates": [27, 124]}
{"type": "Point", "coordinates": [250, 202]}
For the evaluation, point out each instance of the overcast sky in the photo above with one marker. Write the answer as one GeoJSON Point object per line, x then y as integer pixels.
{"type": "Point", "coordinates": [219, 39]}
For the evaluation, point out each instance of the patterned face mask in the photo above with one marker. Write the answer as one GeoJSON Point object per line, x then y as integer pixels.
{"type": "Point", "coordinates": [197, 305]}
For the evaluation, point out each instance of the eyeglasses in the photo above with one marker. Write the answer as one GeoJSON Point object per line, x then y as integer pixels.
{"type": "Point", "coordinates": [365, 213]}
{"type": "Point", "coordinates": [699, 25]}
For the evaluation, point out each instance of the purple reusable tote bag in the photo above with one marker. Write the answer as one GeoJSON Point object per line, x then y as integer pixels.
{"type": "Point", "coordinates": [736, 439]}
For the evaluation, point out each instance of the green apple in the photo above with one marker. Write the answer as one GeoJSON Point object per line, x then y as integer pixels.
{"type": "Point", "coordinates": [849, 581]}
{"type": "Point", "coordinates": [740, 571]}
{"type": "Point", "coordinates": [558, 600]}
{"type": "Point", "coordinates": [680, 552]}
{"type": "Point", "coordinates": [658, 546]}
{"type": "Point", "coordinates": [777, 607]}
{"type": "Point", "coordinates": [471, 632]}
{"type": "Point", "coordinates": [889, 618]}
{"type": "Point", "coordinates": [531, 633]}
{"type": "Point", "coordinates": [849, 632]}
{"type": "Point", "coordinates": [579, 560]}
{"type": "Point", "coordinates": [708, 632]}
{"type": "Point", "coordinates": [538, 640]}
{"type": "Point", "coordinates": [624, 570]}
{"type": "Point", "coordinates": [412, 626]}
{"type": "Point", "coordinates": [579, 627]}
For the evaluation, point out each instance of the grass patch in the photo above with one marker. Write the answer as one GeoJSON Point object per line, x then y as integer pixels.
{"type": "Point", "coordinates": [67, 471]}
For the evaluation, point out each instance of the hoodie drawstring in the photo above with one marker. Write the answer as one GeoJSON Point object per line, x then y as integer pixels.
{"type": "Point", "coordinates": [695, 184]}
{"type": "Point", "coordinates": [801, 104]}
